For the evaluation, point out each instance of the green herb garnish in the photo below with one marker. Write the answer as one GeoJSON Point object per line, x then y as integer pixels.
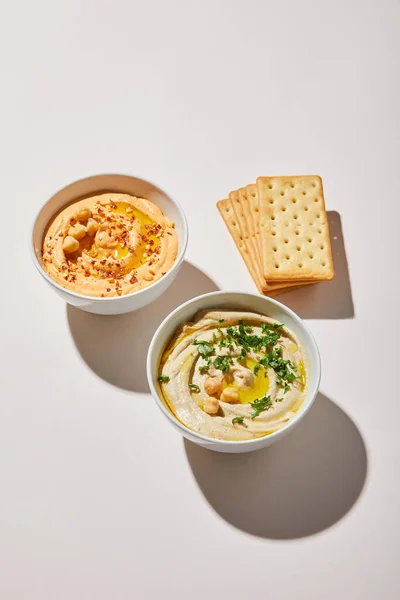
{"type": "Point", "coordinates": [223, 363]}
{"type": "Point", "coordinates": [237, 420]}
{"type": "Point", "coordinates": [284, 369]}
{"type": "Point", "coordinates": [243, 337]}
{"type": "Point", "coordinates": [243, 354]}
{"type": "Point", "coordinates": [163, 378]}
{"type": "Point", "coordinates": [205, 349]}
{"type": "Point", "coordinates": [260, 405]}
{"type": "Point", "coordinates": [221, 321]}
{"type": "Point", "coordinates": [194, 387]}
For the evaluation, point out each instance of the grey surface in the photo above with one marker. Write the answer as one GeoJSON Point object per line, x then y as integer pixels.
{"type": "Point", "coordinates": [99, 497]}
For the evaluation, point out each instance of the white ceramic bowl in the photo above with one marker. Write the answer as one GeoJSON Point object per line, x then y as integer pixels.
{"type": "Point", "coordinates": [110, 183]}
{"type": "Point", "coordinates": [241, 301]}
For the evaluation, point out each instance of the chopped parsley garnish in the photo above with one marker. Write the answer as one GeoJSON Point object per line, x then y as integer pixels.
{"type": "Point", "coordinates": [266, 326]}
{"type": "Point", "coordinates": [247, 328]}
{"type": "Point", "coordinates": [194, 387]}
{"type": "Point", "coordinates": [243, 354]}
{"type": "Point", "coordinates": [243, 338]}
{"type": "Point", "coordinates": [163, 378]}
{"type": "Point", "coordinates": [284, 369]}
{"type": "Point", "coordinates": [260, 405]}
{"type": "Point", "coordinates": [222, 363]}
{"type": "Point", "coordinates": [271, 331]}
{"type": "Point", "coordinates": [221, 321]}
{"type": "Point", "coordinates": [205, 349]}
{"type": "Point", "coordinates": [237, 420]}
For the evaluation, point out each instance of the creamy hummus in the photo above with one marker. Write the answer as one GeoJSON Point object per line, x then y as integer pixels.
{"type": "Point", "coordinates": [233, 375]}
{"type": "Point", "coordinates": [109, 245]}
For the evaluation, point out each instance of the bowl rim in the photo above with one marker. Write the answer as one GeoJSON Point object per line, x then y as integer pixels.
{"type": "Point", "coordinates": [256, 441]}
{"type": "Point", "coordinates": [175, 266]}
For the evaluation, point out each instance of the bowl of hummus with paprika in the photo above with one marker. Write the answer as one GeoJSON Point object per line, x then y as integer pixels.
{"type": "Point", "coordinates": [109, 244]}
{"type": "Point", "coordinates": [233, 372]}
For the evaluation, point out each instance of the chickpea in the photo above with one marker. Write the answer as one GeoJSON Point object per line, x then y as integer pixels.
{"type": "Point", "coordinates": [212, 386]}
{"type": "Point", "coordinates": [70, 244]}
{"type": "Point", "coordinates": [83, 214]}
{"type": "Point", "coordinates": [92, 226]}
{"type": "Point", "coordinates": [230, 395]}
{"type": "Point", "coordinates": [78, 231]}
{"type": "Point", "coordinates": [211, 405]}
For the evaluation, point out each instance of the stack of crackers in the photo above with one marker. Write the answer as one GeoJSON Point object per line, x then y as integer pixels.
{"type": "Point", "coordinates": [280, 228]}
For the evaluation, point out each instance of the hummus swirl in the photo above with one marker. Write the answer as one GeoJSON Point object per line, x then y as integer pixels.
{"type": "Point", "coordinates": [233, 375]}
{"type": "Point", "coordinates": [109, 245]}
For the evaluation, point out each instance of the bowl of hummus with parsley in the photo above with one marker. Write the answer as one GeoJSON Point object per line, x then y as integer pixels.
{"type": "Point", "coordinates": [233, 372]}
{"type": "Point", "coordinates": [109, 243]}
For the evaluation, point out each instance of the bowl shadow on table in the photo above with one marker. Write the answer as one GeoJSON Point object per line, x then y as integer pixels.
{"type": "Point", "coordinates": [115, 347]}
{"type": "Point", "coordinates": [297, 487]}
{"type": "Point", "coordinates": [331, 299]}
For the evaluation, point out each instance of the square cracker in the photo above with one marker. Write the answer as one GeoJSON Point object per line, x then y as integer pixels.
{"type": "Point", "coordinates": [231, 211]}
{"type": "Point", "coordinates": [241, 210]}
{"type": "Point", "coordinates": [295, 241]}
{"type": "Point", "coordinates": [226, 209]}
{"type": "Point", "coordinates": [245, 218]}
{"type": "Point", "coordinates": [254, 208]}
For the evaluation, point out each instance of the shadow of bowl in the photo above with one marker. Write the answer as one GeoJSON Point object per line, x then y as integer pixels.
{"type": "Point", "coordinates": [295, 488]}
{"type": "Point", "coordinates": [115, 347]}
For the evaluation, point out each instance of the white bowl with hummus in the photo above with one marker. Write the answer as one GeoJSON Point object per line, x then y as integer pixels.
{"type": "Point", "coordinates": [109, 244]}
{"type": "Point", "coordinates": [233, 372]}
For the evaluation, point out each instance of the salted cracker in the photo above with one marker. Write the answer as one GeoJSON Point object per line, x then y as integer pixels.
{"type": "Point", "coordinates": [242, 211]}
{"type": "Point", "coordinates": [254, 207]}
{"type": "Point", "coordinates": [295, 241]}
{"type": "Point", "coordinates": [228, 214]}
{"type": "Point", "coordinates": [232, 211]}
{"type": "Point", "coordinates": [245, 216]}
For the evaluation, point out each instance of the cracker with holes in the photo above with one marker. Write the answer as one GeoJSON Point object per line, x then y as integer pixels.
{"type": "Point", "coordinates": [294, 233]}
{"type": "Point", "coordinates": [235, 212]}
{"type": "Point", "coordinates": [226, 209]}
{"type": "Point", "coordinates": [241, 209]}
{"type": "Point", "coordinates": [249, 224]}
